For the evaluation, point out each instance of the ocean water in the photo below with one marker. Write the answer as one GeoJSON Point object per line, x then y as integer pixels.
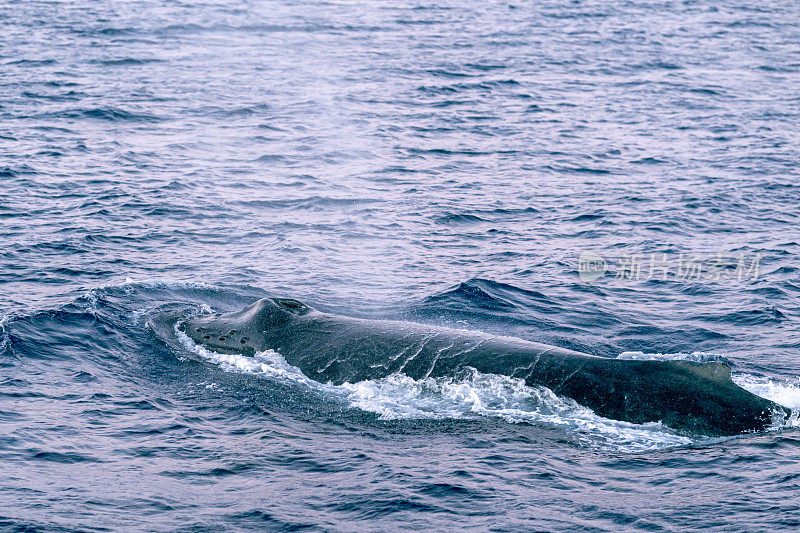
{"type": "Point", "coordinates": [455, 163]}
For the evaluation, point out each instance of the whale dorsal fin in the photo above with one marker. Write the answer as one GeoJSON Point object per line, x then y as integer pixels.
{"type": "Point", "coordinates": [716, 371]}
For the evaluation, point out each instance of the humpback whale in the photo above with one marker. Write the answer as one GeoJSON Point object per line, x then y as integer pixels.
{"type": "Point", "coordinates": [699, 398]}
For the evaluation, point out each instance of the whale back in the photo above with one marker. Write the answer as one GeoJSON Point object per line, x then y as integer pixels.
{"type": "Point", "coordinates": [248, 330]}
{"type": "Point", "coordinates": [714, 371]}
{"type": "Point", "coordinates": [698, 397]}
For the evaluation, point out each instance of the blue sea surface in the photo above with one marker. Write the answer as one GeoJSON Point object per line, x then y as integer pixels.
{"type": "Point", "coordinates": [446, 162]}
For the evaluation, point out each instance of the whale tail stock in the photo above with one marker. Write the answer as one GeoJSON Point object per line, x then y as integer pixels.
{"type": "Point", "coordinates": [698, 397]}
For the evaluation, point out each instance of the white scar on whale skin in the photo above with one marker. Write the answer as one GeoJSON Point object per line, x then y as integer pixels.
{"type": "Point", "coordinates": [530, 368]}
{"type": "Point", "coordinates": [416, 354]}
{"type": "Point", "coordinates": [389, 362]}
{"type": "Point", "coordinates": [436, 358]}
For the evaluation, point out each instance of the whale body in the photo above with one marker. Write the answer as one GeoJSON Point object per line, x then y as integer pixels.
{"type": "Point", "coordinates": [699, 398]}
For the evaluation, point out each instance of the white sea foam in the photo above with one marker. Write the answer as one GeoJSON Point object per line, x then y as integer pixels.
{"type": "Point", "coordinates": [3, 331]}
{"type": "Point", "coordinates": [468, 395]}
{"type": "Point", "coordinates": [474, 394]}
{"type": "Point", "coordinates": [267, 363]}
{"type": "Point", "coordinates": [785, 393]}
{"type": "Point", "coordinates": [156, 283]}
{"type": "Point", "coordinates": [695, 357]}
